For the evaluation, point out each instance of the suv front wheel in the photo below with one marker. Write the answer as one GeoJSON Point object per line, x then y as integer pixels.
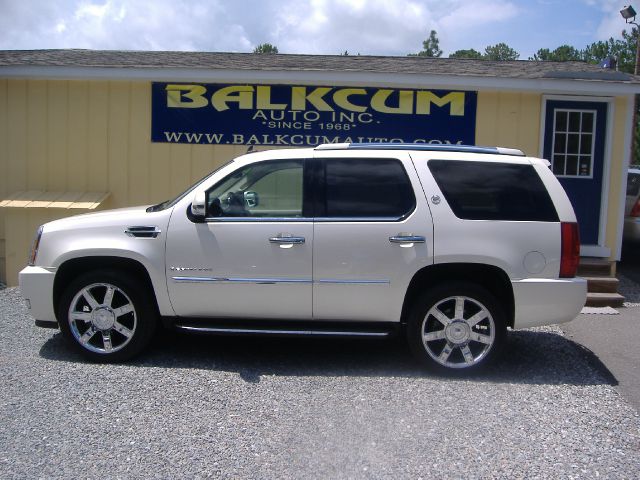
{"type": "Point", "coordinates": [107, 315]}
{"type": "Point", "coordinates": [456, 327]}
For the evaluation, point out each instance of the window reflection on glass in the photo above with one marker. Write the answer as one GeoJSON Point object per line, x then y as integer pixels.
{"type": "Point", "coordinates": [561, 121]}
{"type": "Point", "coordinates": [560, 143]}
{"type": "Point", "coordinates": [493, 191]}
{"type": "Point", "coordinates": [366, 188]}
{"type": "Point", "coordinates": [571, 167]}
{"type": "Point", "coordinates": [574, 121]}
{"type": "Point", "coordinates": [587, 121]}
{"type": "Point", "coordinates": [633, 184]}
{"type": "Point", "coordinates": [558, 164]}
{"type": "Point", "coordinates": [266, 189]}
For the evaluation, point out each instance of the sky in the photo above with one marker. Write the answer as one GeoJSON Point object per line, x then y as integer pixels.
{"type": "Point", "coordinates": [368, 27]}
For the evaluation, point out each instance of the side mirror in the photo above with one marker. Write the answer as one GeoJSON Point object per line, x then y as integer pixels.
{"type": "Point", "coordinates": [198, 205]}
{"type": "Point", "coordinates": [251, 199]}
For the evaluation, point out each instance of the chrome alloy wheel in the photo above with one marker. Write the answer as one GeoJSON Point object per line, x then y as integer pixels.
{"type": "Point", "coordinates": [458, 332]}
{"type": "Point", "coordinates": [102, 318]}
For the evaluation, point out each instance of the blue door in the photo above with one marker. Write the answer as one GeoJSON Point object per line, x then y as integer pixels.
{"type": "Point", "coordinates": [574, 143]}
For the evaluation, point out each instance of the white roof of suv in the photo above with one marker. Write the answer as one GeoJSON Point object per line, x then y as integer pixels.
{"type": "Point", "coordinates": [421, 146]}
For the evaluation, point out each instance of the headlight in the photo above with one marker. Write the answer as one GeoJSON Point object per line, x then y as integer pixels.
{"type": "Point", "coordinates": [34, 247]}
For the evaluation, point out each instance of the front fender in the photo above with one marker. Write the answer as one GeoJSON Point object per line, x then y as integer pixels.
{"type": "Point", "coordinates": [152, 262]}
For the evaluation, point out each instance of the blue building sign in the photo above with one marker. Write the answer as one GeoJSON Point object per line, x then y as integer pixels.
{"type": "Point", "coordinates": [286, 115]}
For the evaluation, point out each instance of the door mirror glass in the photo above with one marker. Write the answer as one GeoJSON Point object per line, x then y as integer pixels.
{"type": "Point", "coordinates": [198, 205]}
{"type": "Point", "coordinates": [251, 199]}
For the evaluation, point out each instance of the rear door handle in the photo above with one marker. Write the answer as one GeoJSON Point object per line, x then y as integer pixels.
{"type": "Point", "coordinates": [407, 239]}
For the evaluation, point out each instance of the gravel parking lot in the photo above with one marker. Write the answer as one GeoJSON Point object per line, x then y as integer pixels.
{"type": "Point", "coordinates": [270, 408]}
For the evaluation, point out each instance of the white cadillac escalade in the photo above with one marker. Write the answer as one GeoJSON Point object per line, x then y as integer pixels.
{"type": "Point", "coordinates": [449, 245]}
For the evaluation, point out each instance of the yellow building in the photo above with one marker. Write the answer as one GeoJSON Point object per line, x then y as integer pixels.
{"type": "Point", "coordinates": [83, 130]}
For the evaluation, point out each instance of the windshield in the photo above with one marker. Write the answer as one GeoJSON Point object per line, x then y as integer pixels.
{"type": "Point", "coordinates": [171, 202]}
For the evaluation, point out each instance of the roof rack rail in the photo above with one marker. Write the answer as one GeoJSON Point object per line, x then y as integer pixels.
{"type": "Point", "coordinates": [421, 146]}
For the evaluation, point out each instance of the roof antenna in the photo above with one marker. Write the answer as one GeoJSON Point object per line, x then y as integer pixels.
{"type": "Point", "coordinates": [250, 149]}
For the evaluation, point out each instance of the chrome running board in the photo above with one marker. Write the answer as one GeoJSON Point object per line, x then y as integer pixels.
{"type": "Point", "coordinates": [292, 328]}
{"type": "Point", "coordinates": [257, 331]}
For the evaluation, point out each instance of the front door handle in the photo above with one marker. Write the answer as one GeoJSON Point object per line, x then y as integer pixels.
{"type": "Point", "coordinates": [407, 239]}
{"type": "Point", "coordinates": [286, 240]}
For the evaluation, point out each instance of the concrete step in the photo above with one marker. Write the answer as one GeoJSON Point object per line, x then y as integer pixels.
{"type": "Point", "coordinates": [594, 267]}
{"type": "Point", "coordinates": [602, 284]}
{"type": "Point", "coordinates": [604, 300]}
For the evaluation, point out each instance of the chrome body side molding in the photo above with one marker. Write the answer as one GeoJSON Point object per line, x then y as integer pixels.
{"type": "Point", "coordinates": [353, 282]}
{"type": "Point", "coordinates": [260, 281]}
{"type": "Point", "coordinates": [266, 281]}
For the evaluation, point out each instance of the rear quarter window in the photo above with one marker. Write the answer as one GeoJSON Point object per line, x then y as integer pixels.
{"type": "Point", "coordinates": [493, 191]}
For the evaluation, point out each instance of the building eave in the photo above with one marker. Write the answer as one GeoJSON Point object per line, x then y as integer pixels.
{"type": "Point", "coordinates": [323, 77]}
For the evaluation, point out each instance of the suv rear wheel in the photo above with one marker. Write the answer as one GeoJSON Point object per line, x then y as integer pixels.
{"type": "Point", "coordinates": [107, 315]}
{"type": "Point", "coordinates": [456, 327]}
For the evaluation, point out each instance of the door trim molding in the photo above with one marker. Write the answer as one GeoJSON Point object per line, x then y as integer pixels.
{"type": "Point", "coordinates": [259, 281]}
{"type": "Point", "coordinates": [627, 152]}
{"type": "Point", "coordinates": [606, 167]}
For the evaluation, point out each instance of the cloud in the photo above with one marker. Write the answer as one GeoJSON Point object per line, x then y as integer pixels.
{"type": "Point", "coordinates": [611, 23]}
{"type": "Point", "coordinates": [467, 25]}
{"type": "Point", "coordinates": [379, 27]}
{"type": "Point", "coordinates": [91, 10]}
{"type": "Point", "coordinates": [120, 24]}
{"type": "Point", "coordinates": [370, 27]}
{"type": "Point", "coordinates": [383, 27]}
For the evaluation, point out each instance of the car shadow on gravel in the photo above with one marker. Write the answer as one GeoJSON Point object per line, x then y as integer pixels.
{"type": "Point", "coordinates": [530, 357]}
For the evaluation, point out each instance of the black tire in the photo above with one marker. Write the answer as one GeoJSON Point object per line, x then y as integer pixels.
{"type": "Point", "coordinates": [108, 315]}
{"type": "Point", "coordinates": [461, 346]}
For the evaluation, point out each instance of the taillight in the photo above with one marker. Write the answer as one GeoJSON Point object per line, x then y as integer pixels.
{"type": "Point", "coordinates": [570, 255]}
{"type": "Point", "coordinates": [635, 211]}
{"type": "Point", "coordinates": [34, 246]}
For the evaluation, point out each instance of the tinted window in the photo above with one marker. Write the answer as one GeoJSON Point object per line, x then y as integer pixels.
{"type": "Point", "coordinates": [633, 184]}
{"type": "Point", "coordinates": [493, 191]}
{"type": "Point", "coordinates": [264, 189]}
{"type": "Point", "coordinates": [366, 188]}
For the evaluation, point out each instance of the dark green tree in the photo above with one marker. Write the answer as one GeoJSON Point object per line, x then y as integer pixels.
{"type": "Point", "coordinates": [430, 47]}
{"type": "Point", "coordinates": [542, 55]}
{"type": "Point", "coordinates": [563, 53]}
{"type": "Point", "coordinates": [598, 51]}
{"type": "Point", "coordinates": [628, 45]}
{"type": "Point", "coordinates": [265, 48]}
{"type": "Point", "coordinates": [470, 53]}
{"type": "Point", "coordinates": [622, 49]}
{"type": "Point", "coordinates": [500, 52]}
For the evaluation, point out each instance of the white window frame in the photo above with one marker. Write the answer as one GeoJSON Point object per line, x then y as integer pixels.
{"type": "Point", "coordinates": [591, 154]}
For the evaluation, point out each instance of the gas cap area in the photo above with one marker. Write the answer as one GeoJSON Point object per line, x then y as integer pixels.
{"type": "Point", "coordinates": [534, 262]}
